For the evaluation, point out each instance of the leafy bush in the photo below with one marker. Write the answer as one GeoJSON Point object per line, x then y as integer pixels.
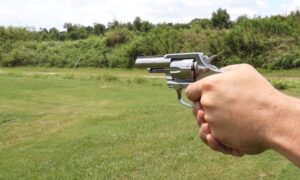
{"type": "Point", "coordinates": [283, 84]}
{"type": "Point", "coordinates": [117, 36]}
{"type": "Point", "coordinates": [242, 42]}
{"type": "Point", "coordinates": [16, 58]}
{"type": "Point", "coordinates": [286, 61]}
{"type": "Point", "coordinates": [271, 42]}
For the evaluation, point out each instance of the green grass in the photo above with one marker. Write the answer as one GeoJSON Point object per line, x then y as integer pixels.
{"type": "Point", "coordinates": [110, 124]}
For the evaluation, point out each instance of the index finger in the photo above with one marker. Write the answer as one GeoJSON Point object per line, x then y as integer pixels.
{"type": "Point", "coordinates": [194, 90]}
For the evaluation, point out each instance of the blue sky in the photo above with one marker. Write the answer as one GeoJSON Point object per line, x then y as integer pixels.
{"type": "Point", "coordinates": [54, 13]}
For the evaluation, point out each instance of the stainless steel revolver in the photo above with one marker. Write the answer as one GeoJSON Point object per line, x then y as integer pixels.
{"type": "Point", "coordinates": [181, 69]}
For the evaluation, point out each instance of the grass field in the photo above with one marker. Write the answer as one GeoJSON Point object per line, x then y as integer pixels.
{"type": "Point", "coordinates": [113, 124]}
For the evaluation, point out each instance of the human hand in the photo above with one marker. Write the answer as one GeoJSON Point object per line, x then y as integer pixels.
{"type": "Point", "coordinates": [206, 136]}
{"type": "Point", "coordinates": [237, 110]}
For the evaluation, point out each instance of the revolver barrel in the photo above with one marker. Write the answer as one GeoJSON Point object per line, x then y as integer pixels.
{"type": "Point", "coordinates": [152, 62]}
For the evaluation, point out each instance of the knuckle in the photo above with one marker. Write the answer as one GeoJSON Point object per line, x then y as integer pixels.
{"type": "Point", "coordinates": [247, 66]}
{"type": "Point", "coordinates": [207, 118]}
{"type": "Point", "coordinates": [210, 83]}
{"type": "Point", "coordinates": [206, 102]}
{"type": "Point", "coordinates": [208, 86]}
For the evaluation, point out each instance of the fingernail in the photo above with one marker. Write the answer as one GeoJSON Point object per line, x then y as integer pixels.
{"type": "Point", "coordinates": [208, 136]}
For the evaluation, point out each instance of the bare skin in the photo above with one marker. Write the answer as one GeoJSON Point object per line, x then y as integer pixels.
{"type": "Point", "coordinates": [239, 112]}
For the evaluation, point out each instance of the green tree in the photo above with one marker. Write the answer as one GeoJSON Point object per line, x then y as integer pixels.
{"type": "Point", "coordinates": [89, 29]}
{"type": "Point", "coordinates": [200, 23]}
{"type": "Point", "coordinates": [137, 23]}
{"type": "Point", "coordinates": [76, 31]}
{"type": "Point", "coordinates": [242, 18]}
{"type": "Point", "coordinates": [113, 25]}
{"type": "Point", "coordinates": [43, 34]}
{"type": "Point", "coordinates": [68, 27]}
{"type": "Point", "coordinates": [220, 19]}
{"type": "Point", "coordinates": [146, 26]}
{"type": "Point", "coordinates": [54, 33]}
{"type": "Point", "coordinates": [99, 29]}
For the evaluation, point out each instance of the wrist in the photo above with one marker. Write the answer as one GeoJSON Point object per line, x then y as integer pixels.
{"type": "Point", "coordinates": [284, 132]}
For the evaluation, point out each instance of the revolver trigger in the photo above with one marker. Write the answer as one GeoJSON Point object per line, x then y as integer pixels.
{"type": "Point", "coordinates": [181, 100]}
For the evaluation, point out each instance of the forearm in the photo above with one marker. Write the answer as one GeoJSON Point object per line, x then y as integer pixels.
{"type": "Point", "coordinates": [285, 137]}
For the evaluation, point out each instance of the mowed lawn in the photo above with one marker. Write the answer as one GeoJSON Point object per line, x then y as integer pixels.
{"type": "Point", "coordinates": [112, 124]}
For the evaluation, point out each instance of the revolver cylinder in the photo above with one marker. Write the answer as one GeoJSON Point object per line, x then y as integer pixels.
{"type": "Point", "coordinates": [182, 70]}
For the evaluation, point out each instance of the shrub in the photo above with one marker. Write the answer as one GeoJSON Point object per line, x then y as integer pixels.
{"type": "Point", "coordinates": [286, 61]}
{"type": "Point", "coordinates": [243, 42]}
{"type": "Point", "coordinates": [118, 36]}
{"type": "Point", "coordinates": [283, 84]}
{"type": "Point", "coordinates": [16, 58]}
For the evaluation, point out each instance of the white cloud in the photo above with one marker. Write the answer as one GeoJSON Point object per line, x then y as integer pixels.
{"type": "Point", "coordinates": [292, 6]}
{"type": "Point", "coordinates": [261, 3]}
{"type": "Point", "coordinates": [42, 13]}
{"type": "Point", "coordinates": [236, 12]}
{"type": "Point", "coordinates": [49, 13]}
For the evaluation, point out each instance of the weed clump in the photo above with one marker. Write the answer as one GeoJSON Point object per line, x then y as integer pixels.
{"type": "Point", "coordinates": [283, 84]}
{"type": "Point", "coordinates": [139, 80]}
{"type": "Point", "coordinates": [109, 78]}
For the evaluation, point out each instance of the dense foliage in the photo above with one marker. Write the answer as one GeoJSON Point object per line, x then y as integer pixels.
{"type": "Point", "coordinates": [270, 42]}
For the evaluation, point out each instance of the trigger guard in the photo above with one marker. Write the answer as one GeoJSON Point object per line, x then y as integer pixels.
{"type": "Point", "coordinates": [182, 101]}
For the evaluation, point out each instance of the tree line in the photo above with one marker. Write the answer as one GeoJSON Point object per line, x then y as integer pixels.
{"type": "Point", "coordinates": [268, 42]}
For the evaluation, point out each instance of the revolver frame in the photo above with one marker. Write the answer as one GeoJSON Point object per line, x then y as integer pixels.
{"type": "Point", "coordinates": [181, 69]}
